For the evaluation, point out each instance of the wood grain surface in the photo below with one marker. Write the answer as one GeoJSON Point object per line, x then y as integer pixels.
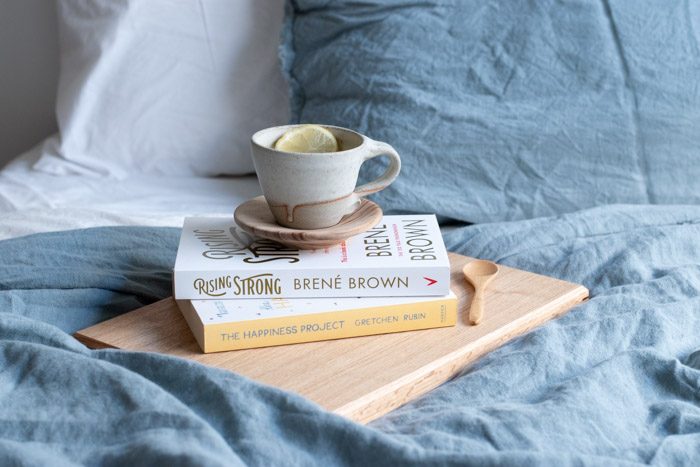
{"type": "Point", "coordinates": [254, 216]}
{"type": "Point", "coordinates": [361, 378]}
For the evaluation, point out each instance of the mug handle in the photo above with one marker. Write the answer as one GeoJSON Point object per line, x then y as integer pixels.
{"type": "Point", "coordinates": [377, 148]}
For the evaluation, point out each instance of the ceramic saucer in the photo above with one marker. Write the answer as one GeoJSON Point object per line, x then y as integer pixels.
{"type": "Point", "coordinates": [254, 216]}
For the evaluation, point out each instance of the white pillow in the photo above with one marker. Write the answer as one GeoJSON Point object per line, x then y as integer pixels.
{"type": "Point", "coordinates": [165, 86]}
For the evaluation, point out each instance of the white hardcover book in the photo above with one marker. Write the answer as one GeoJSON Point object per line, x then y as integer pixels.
{"type": "Point", "coordinates": [402, 256]}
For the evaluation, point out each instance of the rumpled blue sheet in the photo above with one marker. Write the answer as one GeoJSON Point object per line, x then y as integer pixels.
{"type": "Point", "coordinates": [508, 109]}
{"type": "Point", "coordinates": [614, 382]}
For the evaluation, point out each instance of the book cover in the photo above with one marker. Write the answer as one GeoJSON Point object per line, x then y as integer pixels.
{"type": "Point", "coordinates": [220, 325]}
{"type": "Point", "coordinates": [401, 256]}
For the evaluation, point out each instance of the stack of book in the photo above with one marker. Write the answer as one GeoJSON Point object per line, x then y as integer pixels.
{"type": "Point", "coordinates": [237, 291]}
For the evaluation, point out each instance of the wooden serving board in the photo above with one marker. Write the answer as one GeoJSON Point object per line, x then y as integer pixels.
{"type": "Point", "coordinates": [361, 378]}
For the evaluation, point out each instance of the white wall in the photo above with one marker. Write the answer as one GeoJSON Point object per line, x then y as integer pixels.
{"type": "Point", "coordinates": [28, 74]}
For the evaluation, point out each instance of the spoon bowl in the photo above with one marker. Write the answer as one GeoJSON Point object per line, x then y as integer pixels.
{"type": "Point", "coordinates": [480, 268]}
{"type": "Point", "coordinates": [479, 273]}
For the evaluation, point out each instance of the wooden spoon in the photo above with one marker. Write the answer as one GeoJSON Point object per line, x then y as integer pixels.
{"type": "Point", "coordinates": [479, 273]}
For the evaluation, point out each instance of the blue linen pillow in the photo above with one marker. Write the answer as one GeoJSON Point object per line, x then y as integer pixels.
{"type": "Point", "coordinates": [508, 110]}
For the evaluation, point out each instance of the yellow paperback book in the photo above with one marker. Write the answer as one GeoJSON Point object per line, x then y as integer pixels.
{"type": "Point", "coordinates": [220, 325]}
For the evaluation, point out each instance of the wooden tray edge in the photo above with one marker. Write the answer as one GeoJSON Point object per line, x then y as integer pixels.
{"type": "Point", "coordinates": [92, 343]}
{"type": "Point", "coordinates": [405, 389]}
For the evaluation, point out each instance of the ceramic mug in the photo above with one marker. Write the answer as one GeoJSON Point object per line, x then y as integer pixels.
{"type": "Point", "coordinates": [315, 190]}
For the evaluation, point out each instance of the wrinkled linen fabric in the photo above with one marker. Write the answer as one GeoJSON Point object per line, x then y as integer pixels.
{"type": "Point", "coordinates": [508, 110]}
{"type": "Point", "coordinates": [76, 278]}
{"type": "Point", "coordinates": [616, 381]}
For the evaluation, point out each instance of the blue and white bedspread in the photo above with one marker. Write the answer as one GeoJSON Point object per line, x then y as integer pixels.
{"type": "Point", "coordinates": [614, 382]}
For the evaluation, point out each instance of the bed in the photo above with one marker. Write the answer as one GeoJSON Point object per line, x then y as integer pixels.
{"type": "Point", "coordinates": [33, 201]}
{"type": "Point", "coordinates": [614, 382]}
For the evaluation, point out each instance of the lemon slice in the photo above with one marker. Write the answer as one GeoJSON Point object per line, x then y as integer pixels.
{"type": "Point", "coordinates": [307, 138]}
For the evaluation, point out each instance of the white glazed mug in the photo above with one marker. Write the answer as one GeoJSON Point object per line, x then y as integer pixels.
{"type": "Point", "coordinates": [315, 190]}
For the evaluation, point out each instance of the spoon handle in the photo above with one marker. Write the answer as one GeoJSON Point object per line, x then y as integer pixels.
{"type": "Point", "coordinates": [476, 310]}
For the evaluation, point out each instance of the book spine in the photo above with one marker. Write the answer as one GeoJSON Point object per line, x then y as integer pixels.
{"type": "Point", "coordinates": [330, 325]}
{"type": "Point", "coordinates": [407, 282]}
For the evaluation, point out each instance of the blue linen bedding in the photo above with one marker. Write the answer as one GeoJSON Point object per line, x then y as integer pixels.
{"type": "Point", "coordinates": [507, 110]}
{"type": "Point", "coordinates": [614, 382]}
